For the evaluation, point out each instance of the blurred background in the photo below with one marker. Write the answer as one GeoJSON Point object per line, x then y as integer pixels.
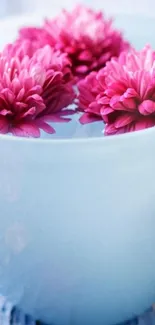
{"type": "Point", "coordinates": [14, 7]}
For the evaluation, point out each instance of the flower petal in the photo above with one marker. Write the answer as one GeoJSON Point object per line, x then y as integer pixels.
{"type": "Point", "coordinates": [88, 118]}
{"type": "Point", "coordinates": [57, 118]}
{"type": "Point", "coordinates": [147, 107]}
{"type": "Point", "coordinates": [4, 126]}
{"type": "Point", "coordinates": [45, 126]}
{"type": "Point", "coordinates": [27, 129]}
{"type": "Point", "coordinates": [128, 103]}
{"type": "Point", "coordinates": [130, 93]}
{"type": "Point", "coordinates": [116, 104]}
{"type": "Point", "coordinates": [123, 120]}
{"type": "Point", "coordinates": [106, 110]}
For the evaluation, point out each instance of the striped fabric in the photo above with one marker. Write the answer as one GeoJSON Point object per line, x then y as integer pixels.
{"type": "Point", "coordinates": [10, 315]}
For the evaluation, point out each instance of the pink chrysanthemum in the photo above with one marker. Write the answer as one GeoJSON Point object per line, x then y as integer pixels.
{"type": "Point", "coordinates": [33, 91]}
{"type": "Point", "coordinates": [37, 35]}
{"type": "Point", "coordinates": [20, 49]}
{"type": "Point", "coordinates": [86, 36]}
{"type": "Point", "coordinates": [89, 89]}
{"type": "Point", "coordinates": [122, 94]}
{"type": "Point", "coordinates": [128, 103]}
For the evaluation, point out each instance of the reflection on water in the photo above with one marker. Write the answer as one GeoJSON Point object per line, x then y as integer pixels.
{"type": "Point", "coordinates": [74, 129]}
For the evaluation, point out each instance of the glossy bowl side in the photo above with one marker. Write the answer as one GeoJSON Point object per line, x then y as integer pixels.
{"type": "Point", "coordinates": [77, 227]}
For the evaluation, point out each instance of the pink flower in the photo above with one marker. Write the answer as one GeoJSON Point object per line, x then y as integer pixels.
{"type": "Point", "coordinates": [20, 48]}
{"type": "Point", "coordinates": [37, 35]}
{"type": "Point", "coordinates": [47, 56]}
{"type": "Point", "coordinates": [86, 36]}
{"type": "Point", "coordinates": [122, 93]}
{"type": "Point", "coordinates": [128, 103]}
{"type": "Point", "coordinates": [89, 89]}
{"type": "Point", "coordinates": [33, 91]}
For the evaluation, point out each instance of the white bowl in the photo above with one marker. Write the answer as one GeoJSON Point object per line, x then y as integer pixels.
{"type": "Point", "coordinates": [77, 232]}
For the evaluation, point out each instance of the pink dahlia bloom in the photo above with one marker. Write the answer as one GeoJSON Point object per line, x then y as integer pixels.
{"type": "Point", "coordinates": [86, 36]}
{"type": "Point", "coordinates": [128, 103]}
{"type": "Point", "coordinates": [33, 92]}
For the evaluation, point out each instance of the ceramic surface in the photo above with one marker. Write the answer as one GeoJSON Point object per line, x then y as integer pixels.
{"type": "Point", "coordinates": [77, 230]}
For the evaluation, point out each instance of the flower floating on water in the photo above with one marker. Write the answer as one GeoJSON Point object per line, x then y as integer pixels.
{"type": "Point", "coordinates": [89, 90]}
{"type": "Point", "coordinates": [128, 103]}
{"type": "Point", "coordinates": [38, 73]}
{"type": "Point", "coordinates": [33, 91]}
{"type": "Point", "coordinates": [124, 95]}
{"type": "Point", "coordinates": [86, 36]}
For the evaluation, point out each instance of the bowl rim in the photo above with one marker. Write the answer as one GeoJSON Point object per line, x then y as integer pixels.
{"type": "Point", "coordinates": [36, 18]}
{"type": "Point", "coordinates": [112, 139]}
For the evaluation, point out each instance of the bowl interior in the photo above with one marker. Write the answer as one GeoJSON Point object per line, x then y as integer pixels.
{"type": "Point", "coordinates": [137, 29]}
